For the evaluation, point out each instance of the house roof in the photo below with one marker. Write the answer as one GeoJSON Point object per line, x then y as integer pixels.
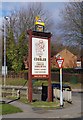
{"type": "Point", "coordinates": [69, 58]}
{"type": "Point", "coordinates": [65, 53]}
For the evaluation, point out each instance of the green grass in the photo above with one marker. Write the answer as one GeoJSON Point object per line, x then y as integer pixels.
{"type": "Point", "coordinates": [39, 82]}
{"type": "Point", "coordinates": [15, 81]}
{"type": "Point", "coordinates": [23, 99]}
{"type": "Point", "coordinates": [42, 104]}
{"type": "Point", "coordinates": [8, 109]}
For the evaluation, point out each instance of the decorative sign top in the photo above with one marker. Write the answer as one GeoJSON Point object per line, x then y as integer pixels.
{"type": "Point", "coordinates": [39, 21]}
{"type": "Point", "coordinates": [39, 24]}
{"type": "Point", "coordinates": [60, 62]}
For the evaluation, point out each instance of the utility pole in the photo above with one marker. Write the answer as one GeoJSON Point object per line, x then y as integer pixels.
{"type": "Point", "coordinates": [5, 20]}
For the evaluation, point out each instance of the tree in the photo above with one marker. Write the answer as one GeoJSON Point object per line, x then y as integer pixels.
{"type": "Point", "coordinates": [70, 28]}
{"type": "Point", "coordinates": [15, 51]}
{"type": "Point", "coordinates": [24, 18]}
{"type": "Point", "coordinates": [17, 39]}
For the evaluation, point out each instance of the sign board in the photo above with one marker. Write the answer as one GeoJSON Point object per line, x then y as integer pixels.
{"type": "Point", "coordinates": [4, 72]}
{"type": "Point", "coordinates": [40, 63]}
{"type": "Point", "coordinates": [60, 62]}
{"type": "Point", "coordinates": [39, 60]}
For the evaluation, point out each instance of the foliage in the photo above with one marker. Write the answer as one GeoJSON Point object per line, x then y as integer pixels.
{"type": "Point", "coordinates": [15, 51]}
{"type": "Point", "coordinates": [17, 40]}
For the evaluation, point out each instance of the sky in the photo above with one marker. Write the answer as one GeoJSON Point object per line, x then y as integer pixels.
{"type": "Point", "coordinates": [53, 7]}
{"type": "Point", "coordinates": [42, 0]}
{"type": "Point", "coordinates": [6, 6]}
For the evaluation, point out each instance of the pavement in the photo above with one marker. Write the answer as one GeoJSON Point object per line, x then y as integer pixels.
{"type": "Point", "coordinates": [68, 111]}
{"type": "Point", "coordinates": [73, 110]}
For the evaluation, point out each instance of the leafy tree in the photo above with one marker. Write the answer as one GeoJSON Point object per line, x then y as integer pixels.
{"type": "Point", "coordinates": [17, 39]}
{"type": "Point", "coordinates": [15, 51]}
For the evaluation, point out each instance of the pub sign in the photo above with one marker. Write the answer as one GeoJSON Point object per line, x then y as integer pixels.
{"type": "Point", "coordinates": [40, 62]}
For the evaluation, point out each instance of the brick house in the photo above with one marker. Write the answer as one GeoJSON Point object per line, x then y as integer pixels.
{"type": "Point", "coordinates": [69, 59]}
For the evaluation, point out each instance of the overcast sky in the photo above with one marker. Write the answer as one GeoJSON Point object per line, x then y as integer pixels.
{"type": "Point", "coordinates": [54, 7]}
{"type": "Point", "coordinates": [8, 6]}
{"type": "Point", "coordinates": [42, 0]}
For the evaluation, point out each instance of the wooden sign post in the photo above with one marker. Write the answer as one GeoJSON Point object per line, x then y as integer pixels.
{"type": "Point", "coordinates": [39, 60]}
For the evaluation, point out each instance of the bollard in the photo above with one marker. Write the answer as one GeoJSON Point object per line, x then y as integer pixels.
{"type": "Point", "coordinates": [18, 93]}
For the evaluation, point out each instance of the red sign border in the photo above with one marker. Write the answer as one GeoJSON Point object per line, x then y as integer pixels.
{"type": "Point", "coordinates": [62, 62]}
{"type": "Point", "coordinates": [30, 57]}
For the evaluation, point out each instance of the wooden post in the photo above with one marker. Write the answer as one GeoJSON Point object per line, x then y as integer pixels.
{"type": "Point", "coordinates": [49, 79]}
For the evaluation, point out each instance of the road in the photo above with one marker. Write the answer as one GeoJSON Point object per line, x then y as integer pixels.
{"type": "Point", "coordinates": [69, 111]}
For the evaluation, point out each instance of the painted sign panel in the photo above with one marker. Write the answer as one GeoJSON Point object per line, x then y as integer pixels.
{"type": "Point", "coordinates": [40, 57]}
{"type": "Point", "coordinates": [60, 62]}
{"type": "Point", "coordinates": [4, 70]}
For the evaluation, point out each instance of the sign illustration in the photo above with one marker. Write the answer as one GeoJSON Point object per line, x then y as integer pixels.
{"type": "Point", "coordinates": [39, 57]}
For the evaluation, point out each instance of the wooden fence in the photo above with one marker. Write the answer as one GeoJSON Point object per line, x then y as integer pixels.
{"type": "Point", "coordinates": [73, 77]}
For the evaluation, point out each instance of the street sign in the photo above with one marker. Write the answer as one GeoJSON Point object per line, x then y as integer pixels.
{"type": "Point", "coordinates": [60, 62]}
{"type": "Point", "coordinates": [4, 70]}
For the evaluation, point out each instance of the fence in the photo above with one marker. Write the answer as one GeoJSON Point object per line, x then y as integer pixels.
{"type": "Point", "coordinates": [12, 74]}
{"type": "Point", "coordinates": [67, 77]}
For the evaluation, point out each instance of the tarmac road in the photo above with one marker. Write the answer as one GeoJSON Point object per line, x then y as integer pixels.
{"type": "Point", "coordinates": [69, 111]}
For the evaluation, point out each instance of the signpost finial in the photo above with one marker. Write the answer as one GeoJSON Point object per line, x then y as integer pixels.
{"type": "Point", "coordinates": [39, 24]}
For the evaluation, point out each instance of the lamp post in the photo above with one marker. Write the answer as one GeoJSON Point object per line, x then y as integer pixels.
{"type": "Point", "coordinates": [5, 20]}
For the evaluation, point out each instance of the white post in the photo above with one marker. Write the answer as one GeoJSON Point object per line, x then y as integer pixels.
{"type": "Point", "coordinates": [61, 93]}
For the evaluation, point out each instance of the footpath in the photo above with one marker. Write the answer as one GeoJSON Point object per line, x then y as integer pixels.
{"type": "Point", "coordinates": [68, 111]}
{"type": "Point", "coordinates": [73, 110]}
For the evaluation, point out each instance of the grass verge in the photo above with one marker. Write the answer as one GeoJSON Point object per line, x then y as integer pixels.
{"type": "Point", "coordinates": [8, 109]}
{"type": "Point", "coordinates": [15, 81]}
{"type": "Point", "coordinates": [46, 105]}
{"type": "Point", "coordinates": [36, 83]}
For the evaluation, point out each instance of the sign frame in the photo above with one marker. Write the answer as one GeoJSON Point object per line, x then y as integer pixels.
{"type": "Point", "coordinates": [42, 35]}
{"type": "Point", "coordinates": [30, 54]}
